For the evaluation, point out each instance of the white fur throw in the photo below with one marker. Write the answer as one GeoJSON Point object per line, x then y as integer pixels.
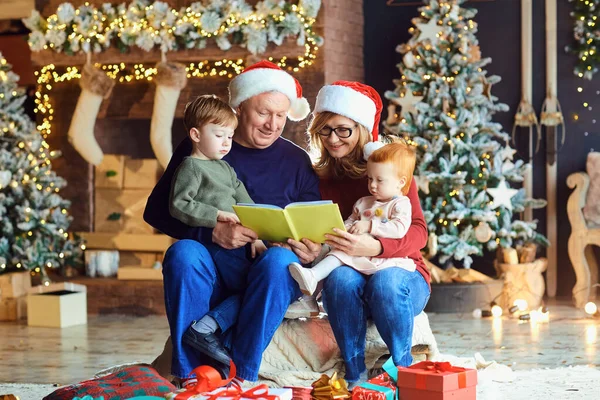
{"type": "Point", "coordinates": [302, 350]}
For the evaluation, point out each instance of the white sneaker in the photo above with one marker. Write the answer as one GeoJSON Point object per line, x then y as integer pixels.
{"type": "Point", "coordinates": [304, 307]}
{"type": "Point", "coordinates": [305, 278]}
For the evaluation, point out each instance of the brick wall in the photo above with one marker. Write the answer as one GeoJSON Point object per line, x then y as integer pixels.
{"type": "Point", "coordinates": [343, 30]}
{"type": "Point", "coordinates": [123, 123]}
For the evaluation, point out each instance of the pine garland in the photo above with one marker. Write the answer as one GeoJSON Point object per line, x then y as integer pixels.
{"type": "Point", "coordinates": [586, 34]}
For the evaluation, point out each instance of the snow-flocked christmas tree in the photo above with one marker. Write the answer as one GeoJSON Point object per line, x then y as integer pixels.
{"type": "Point", "coordinates": [465, 161]}
{"type": "Point", "coordinates": [33, 216]}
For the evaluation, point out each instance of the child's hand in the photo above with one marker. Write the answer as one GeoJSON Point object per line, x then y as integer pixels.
{"type": "Point", "coordinates": [224, 216]}
{"type": "Point", "coordinates": [258, 247]}
{"type": "Point", "coordinates": [360, 227]}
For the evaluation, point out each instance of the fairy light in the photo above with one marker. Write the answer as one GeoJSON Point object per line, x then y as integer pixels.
{"type": "Point", "coordinates": [48, 76]}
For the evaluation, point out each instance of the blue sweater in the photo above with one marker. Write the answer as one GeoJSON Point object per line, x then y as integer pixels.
{"type": "Point", "coordinates": [279, 175]}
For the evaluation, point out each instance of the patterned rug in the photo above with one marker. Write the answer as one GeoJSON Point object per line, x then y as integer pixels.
{"type": "Point", "coordinates": [568, 383]}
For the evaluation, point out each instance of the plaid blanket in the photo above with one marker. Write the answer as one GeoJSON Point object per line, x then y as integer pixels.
{"type": "Point", "coordinates": [131, 382]}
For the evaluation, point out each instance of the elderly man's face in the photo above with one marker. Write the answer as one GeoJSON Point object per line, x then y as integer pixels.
{"type": "Point", "coordinates": [261, 120]}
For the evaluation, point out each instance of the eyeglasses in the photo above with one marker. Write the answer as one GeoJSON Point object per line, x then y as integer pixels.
{"type": "Point", "coordinates": [341, 131]}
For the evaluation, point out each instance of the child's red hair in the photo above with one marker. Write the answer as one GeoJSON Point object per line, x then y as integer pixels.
{"type": "Point", "coordinates": [403, 157]}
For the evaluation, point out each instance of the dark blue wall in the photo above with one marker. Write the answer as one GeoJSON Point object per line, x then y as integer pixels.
{"type": "Point", "coordinates": [499, 37]}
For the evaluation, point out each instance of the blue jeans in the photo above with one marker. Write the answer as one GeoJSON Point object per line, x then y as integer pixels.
{"type": "Point", "coordinates": [250, 297]}
{"type": "Point", "coordinates": [391, 297]}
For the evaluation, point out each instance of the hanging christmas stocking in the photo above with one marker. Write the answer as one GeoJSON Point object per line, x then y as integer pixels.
{"type": "Point", "coordinates": [95, 86]}
{"type": "Point", "coordinates": [170, 79]}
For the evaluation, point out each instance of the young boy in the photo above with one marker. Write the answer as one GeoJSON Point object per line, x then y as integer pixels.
{"type": "Point", "coordinates": [205, 187]}
{"type": "Point", "coordinates": [203, 191]}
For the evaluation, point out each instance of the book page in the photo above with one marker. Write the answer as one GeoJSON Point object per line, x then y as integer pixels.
{"type": "Point", "coordinates": [314, 221]}
{"type": "Point", "coordinates": [268, 223]}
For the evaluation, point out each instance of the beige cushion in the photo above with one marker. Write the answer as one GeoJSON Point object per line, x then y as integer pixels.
{"type": "Point", "coordinates": [591, 211]}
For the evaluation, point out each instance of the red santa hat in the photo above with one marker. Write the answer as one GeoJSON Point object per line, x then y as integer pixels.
{"type": "Point", "coordinates": [357, 101]}
{"type": "Point", "coordinates": [262, 77]}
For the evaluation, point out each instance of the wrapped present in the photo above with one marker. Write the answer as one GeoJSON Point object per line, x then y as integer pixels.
{"type": "Point", "coordinates": [135, 380]}
{"type": "Point", "coordinates": [260, 392]}
{"type": "Point", "coordinates": [326, 388]}
{"type": "Point", "coordinates": [429, 380]}
{"type": "Point", "coordinates": [381, 387]}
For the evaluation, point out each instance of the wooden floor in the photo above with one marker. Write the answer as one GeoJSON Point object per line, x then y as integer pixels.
{"type": "Point", "coordinates": [46, 355]}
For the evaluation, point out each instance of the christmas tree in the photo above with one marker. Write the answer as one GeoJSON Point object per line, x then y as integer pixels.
{"type": "Point", "coordinates": [465, 162]}
{"type": "Point", "coordinates": [33, 216]}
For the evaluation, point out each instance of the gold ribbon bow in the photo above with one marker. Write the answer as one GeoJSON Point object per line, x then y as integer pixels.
{"type": "Point", "coordinates": [326, 388]}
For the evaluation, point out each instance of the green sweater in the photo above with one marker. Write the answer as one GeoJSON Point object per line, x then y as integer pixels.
{"type": "Point", "coordinates": [203, 187]}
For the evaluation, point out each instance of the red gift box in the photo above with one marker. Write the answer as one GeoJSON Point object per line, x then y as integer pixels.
{"type": "Point", "coordinates": [429, 380]}
{"type": "Point", "coordinates": [381, 387]}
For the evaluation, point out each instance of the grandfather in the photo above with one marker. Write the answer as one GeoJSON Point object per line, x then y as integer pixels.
{"type": "Point", "coordinates": [247, 298]}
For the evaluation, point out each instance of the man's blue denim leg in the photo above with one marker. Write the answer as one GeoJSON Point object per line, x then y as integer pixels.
{"type": "Point", "coordinates": [343, 292]}
{"type": "Point", "coordinates": [395, 296]}
{"type": "Point", "coordinates": [270, 290]}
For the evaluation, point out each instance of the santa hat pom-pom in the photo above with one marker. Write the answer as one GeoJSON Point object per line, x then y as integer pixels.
{"type": "Point", "coordinates": [370, 148]}
{"type": "Point", "coordinates": [299, 110]}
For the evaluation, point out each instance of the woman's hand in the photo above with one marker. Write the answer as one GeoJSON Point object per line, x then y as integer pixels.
{"type": "Point", "coordinates": [354, 245]}
{"type": "Point", "coordinates": [306, 250]}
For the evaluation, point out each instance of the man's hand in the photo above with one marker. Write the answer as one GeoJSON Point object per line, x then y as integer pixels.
{"type": "Point", "coordinates": [224, 216]}
{"type": "Point", "coordinates": [306, 250]}
{"type": "Point", "coordinates": [360, 227]}
{"type": "Point", "coordinates": [354, 245]}
{"type": "Point", "coordinates": [232, 236]}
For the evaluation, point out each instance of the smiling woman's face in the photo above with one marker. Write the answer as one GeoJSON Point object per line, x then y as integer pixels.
{"type": "Point", "coordinates": [261, 120]}
{"type": "Point", "coordinates": [338, 147]}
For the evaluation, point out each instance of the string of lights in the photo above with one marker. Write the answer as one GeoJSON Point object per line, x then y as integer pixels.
{"type": "Point", "coordinates": [585, 47]}
{"type": "Point", "coordinates": [50, 75]}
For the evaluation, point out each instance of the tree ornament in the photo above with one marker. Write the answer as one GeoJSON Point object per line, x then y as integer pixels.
{"type": "Point", "coordinates": [474, 54]}
{"type": "Point", "coordinates": [170, 79]}
{"type": "Point", "coordinates": [95, 86]}
{"type": "Point", "coordinates": [502, 195]}
{"type": "Point", "coordinates": [407, 102]}
{"type": "Point", "coordinates": [432, 244]}
{"type": "Point", "coordinates": [508, 152]}
{"type": "Point", "coordinates": [392, 116]}
{"type": "Point", "coordinates": [483, 232]}
{"type": "Point", "coordinates": [409, 59]}
{"type": "Point", "coordinates": [430, 30]}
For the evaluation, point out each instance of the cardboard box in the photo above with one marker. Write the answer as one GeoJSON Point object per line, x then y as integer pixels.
{"type": "Point", "coordinates": [139, 274]}
{"type": "Point", "coordinates": [14, 284]}
{"type": "Point", "coordinates": [121, 211]}
{"type": "Point", "coordinates": [141, 173]}
{"type": "Point", "coordinates": [430, 380]}
{"type": "Point", "coordinates": [57, 305]}
{"type": "Point", "coordinates": [13, 309]}
{"type": "Point", "coordinates": [110, 172]}
{"type": "Point", "coordinates": [138, 259]}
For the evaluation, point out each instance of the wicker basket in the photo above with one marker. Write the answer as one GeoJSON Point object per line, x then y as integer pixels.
{"type": "Point", "coordinates": [523, 281]}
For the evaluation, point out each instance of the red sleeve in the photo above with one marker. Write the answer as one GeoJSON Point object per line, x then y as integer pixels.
{"type": "Point", "coordinates": [416, 237]}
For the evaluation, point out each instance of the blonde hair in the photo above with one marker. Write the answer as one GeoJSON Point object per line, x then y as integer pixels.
{"type": "Point", "coordinates": [352, 165]}
{"type": "Point", "coordinates": [402, 156]}
{"type": "Point", "coordinates": [208, 109]}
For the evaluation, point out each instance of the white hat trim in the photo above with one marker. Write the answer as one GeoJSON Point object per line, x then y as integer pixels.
{"type": "Point", "coordinates": [262, 80]}
{"type": "Point", "coordinates": [348, 102]}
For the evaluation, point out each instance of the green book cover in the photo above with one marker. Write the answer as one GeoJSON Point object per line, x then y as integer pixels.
{"type": "Point", "coordinates": [311, 220]}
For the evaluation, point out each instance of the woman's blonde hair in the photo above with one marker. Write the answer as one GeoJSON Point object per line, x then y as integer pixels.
{"type": "Point", "coordinates": [352, 165]}
{"type": "Point", "coordinates": [402, 156]}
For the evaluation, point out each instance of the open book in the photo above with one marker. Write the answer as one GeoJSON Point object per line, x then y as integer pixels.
{"type": "Point", "coordinates": [311, 220]}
